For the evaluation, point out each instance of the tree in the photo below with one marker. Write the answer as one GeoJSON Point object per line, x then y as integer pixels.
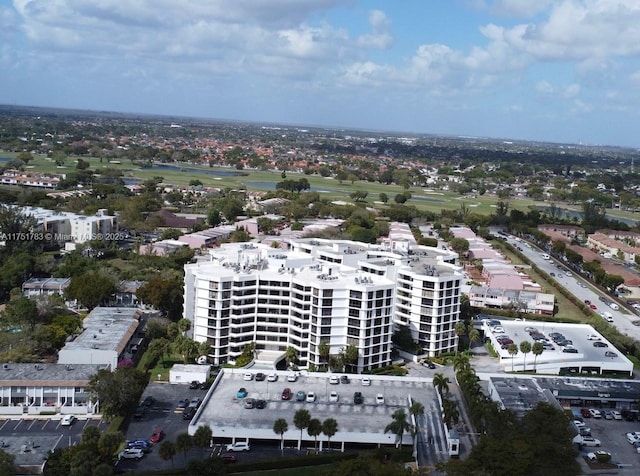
{"type": "Point", "coordinates": [459, 245]}
{"type": "Point", "coordinates": [441, 383]}
{"type": "Point", "coordinates": [359, 196]}
{"type": "Point", "coordinates": [416, 410]}
{"type": "Point", "coordinates": [351, 356]}
{"type": "Point", "coordinates": [91, 288]}
{"type": "Point", "coordinates": [213, 217]}
{"type": "Point", "coordinates": [513, 351]}
{"type": "Point", "coordinates": [118, 391]}
{"type": "Point", "coordinates": [184, 442]}
{"type": "Point", "coordinates": [202, 437]}
{"type": "Point", "coordinates": [280, 427]}
{"type": "Point", "coordinates": [536, 350]}
{"type": "Point", "coordinates": [450, 412]}
{"type": "Point", "coordinates": [314, 430]}
{"type": "Point", "coordinates": [165, 294]}
{"type": "Point", "coordinates": [400, 198]}
{"type": "Point", "coordinates": [21, 311]}
{"type": "Point", "coordinates": [290, 355]}
{"type": "Point", "coordinates": [187, 348]}
{"type": "Point", "coordinates": [399, 425]}
{"type": "Point", "coordinates": [329, 428]}
{"type": "Point", "coordinates": [6, 463]}
{"type": "Point", "coordinates": [459, 329]}
{"type": "Point", "coordinates": [158, 348]}
{"type": "Point", "coordinates": [461, 362]}
{"type": "Point", "coordinates": [167, 450]}
{"type": "Point", "coordinates": [324, 350]}
{"type": "Point", "coordinates": [384, 198]}
{"type": "Point", "coordinates": [301, 420]}
{"type": "Point", "coordinates": [108, 444]}
{"type": "Point", "coordinates": [474, 336]}
{"type": "Point", "coordinates": [525, 348]}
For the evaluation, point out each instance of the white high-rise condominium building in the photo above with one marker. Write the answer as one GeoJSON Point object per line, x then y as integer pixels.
{"type": "Point", "coordinates": [339, 292]}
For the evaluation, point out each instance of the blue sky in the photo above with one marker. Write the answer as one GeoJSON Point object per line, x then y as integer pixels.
{"type": "Point", "coordinates": [551, 70]}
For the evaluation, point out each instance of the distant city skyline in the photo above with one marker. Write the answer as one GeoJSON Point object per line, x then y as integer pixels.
{"type": "Point", "coordinates": [543, 70]}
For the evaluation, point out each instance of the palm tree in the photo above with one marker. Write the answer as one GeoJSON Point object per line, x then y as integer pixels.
{"type": "Point", "coordinates": [416, 410]}
{"type": "Point", "coordinates": [399, 425]}
{"type": "Point", "coordinates": [450, 412]}
{"type": "Point", "coordinates": [314, 430]}
{"type": "Point", "coordinates": [184, 443]}
{"type": "Point", "coordinates": [474, 336]}
{"type": "Point", "coordinates": [202, 437]}
{"type": "Point", "coordinates": [441, 382]}
{"type": "Point", "coordinates": [301, 420]}
{"type": "Point", "coordinates": [167, 450]}
{"type": "Point", "coordinates": [461, 362]}
{"type": "Point", "coordinates": [324, 349]}
{"type": "Point", "coordinates": [459, 329]}
{"type": "Point", "coordinates": [280, 427]}
{"type": "Point", "coordinates": [513, 350]}
{"type": "Point", "coordinates": [351, 355]}
{"type": "Point", "coordinates": [536, 350]}
{"type": "Point", "coordinates": [329, 428]}
{"type": "Point", "coordinates": [291, 355]}
{"type": "Point", "coordinates": [525, 348]}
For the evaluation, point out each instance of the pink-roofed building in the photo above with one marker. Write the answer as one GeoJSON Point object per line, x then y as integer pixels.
{"type": "Point", "coordinates": [462, 232]}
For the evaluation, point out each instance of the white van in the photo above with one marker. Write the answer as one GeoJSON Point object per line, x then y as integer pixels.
{"type": "Point", "coordinates": [545, 256]}
{"type": "Point", "coordinates": [614, 306]}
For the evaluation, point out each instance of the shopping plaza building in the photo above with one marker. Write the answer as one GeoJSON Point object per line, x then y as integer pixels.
{"type": "Point", "coordinates": [323, 291]}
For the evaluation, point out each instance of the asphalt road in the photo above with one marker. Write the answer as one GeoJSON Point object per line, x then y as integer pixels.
{"type": "Point", "coordinates": [622, 319]}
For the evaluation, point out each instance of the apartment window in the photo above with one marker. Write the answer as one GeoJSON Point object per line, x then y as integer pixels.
{"type": "Point", "coordinates": [327, 302]}
{"type": "Point", "coordinates": [327, 293]}
{"type": "Point", "coordinates": [355, 294]}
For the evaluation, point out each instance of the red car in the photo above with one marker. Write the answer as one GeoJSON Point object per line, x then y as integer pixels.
{"type": "Point", "coordinates": [156, 436]}
{"type": "Point", "coordinates": [229, 458]}
{"type": "Point", "coordinates": [585, 413]}
{"type": "Point", "coordinates": [593, 306]}
{"type": "Point", "coordinates": [286, 394]}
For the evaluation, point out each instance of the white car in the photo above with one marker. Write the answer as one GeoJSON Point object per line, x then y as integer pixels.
{"type": "Point", "coordinates": [589, 441]}
{"type": "Point", "coordinates": [379, 399]}
{"type": "Point", "coordinates": [131, 453]}
{"type": "Point", "coordinates": [334, 380]}
{"type": "Point", "coordinates": [633, 437]}
{"type": "Point", "coordinates": [616, 415]}
{"type": "Point", "coordinates": [248, 376]}
{"type": "Point", "coordinates": [593, 337]}
{"type": "Point", "coordinates": [366, 381]}
{"type": "Point", "coordinates": [595, 413]}
{"type": "Point", "coordinates": [238, 446]}
{"type": "Point", "coordinates": [333, 397]}
{"type": "Point", "coordinates": [311, 397]}
{"type": "Point", "coordinates": [67, 420]}
{"type": "Point", "coordinates": [498, 330]}
{"type": "Point", "coordinates": [272, 378]}
{"type": "Point", "coordinates": [292, 378]}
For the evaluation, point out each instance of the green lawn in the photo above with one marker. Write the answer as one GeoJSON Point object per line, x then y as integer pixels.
{"type": "Point", "coordinates": [307, 471]}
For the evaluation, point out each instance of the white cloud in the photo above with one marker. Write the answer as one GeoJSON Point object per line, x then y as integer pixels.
{"type": "Point", "coordinates": [380, 37]}
{"type": "Point", "coordinates": [519, 8]}
{"type": "Point", "coordinates": [545, 87]}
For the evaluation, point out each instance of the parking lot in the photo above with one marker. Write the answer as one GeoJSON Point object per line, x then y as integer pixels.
{"type": "Point", "coordinates": [612, 433]}
{"type": "Point", "coordinates": [225, 412]}
{"type": "Point", "coordinates": [29, 440]}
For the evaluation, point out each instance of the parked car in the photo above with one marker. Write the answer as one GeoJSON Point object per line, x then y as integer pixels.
{"type": "Point", "coordinates": [570, 350]}
{"type": "Point", "coordinates": [428, 363]}
{"type": "Point", "coordinates": [366, 381]}
{"type": "Point", "coordinates": [334, 380]}
{"type": "Point", "coordinates": [607, 415]}
{"type": "Point", "coordinates": [156, 436]}
{"type": "Point", "coordinates": [595, 413]}
{"type": "Point", "coordinates": [238, 446]}
{"type": "Point", "coordinates": [249, 403]}
{"type": "Point", "coordinates": [333, 397]}
{"type": "Point", "coordinates": [182, 404]}
{"type": "Point", "coordinates": [379, 399]}
{"type": "Point", "coordinates": [344, 379]}
{"type": "Point", "coordinates": [593, 306]}
{"type": "Point", "coordinates": [585, 413]}
{"type": "Point", "coordinates": [148, 401]}
{"type": "Point", "coordinates": [600, 344]}
{"type": "Point", "coordinates": [248, 376]}
{"type": "Point", "coordinates": [292, 378]}
{"type": "Point", "coordinates": [610, 354]}
{"type": "Point", "coordinates": [632, 437]}
{"type": "Point", "coordinates": [599, 455]}
{"type": "Point", "coordinates": [228, 458]}
{"type": "Point", "coordinates": [286, 394]}
{"type": "Point", "coordinates": [311, 397]}
{"type": "Point", "coordinates": [241, 393]}
{"type": "Point", "coordinates": [195, 402]}
{"type": "Point", "coordinates": [261, 404]}
{"type": "Point", "coordinates": [358, 398]}
{"type": "Point", "coordinates": [616, 415]}
{"type": "Point", "coordinates": [68, 420]}
{"type": "Point", "coordinates": [593, 337]}
{"type": "Point", "coordinates": [260, 377]}
{"type": "Point", "coordinates": [144, 445]}
{"type": "Point", "coordinates": [272, 378]}
{"type": "Point", "coordinates": [194, 385]}
{"type": "Point", "coordinates": [301, 396]}
{"type": "Point", "coordinates": [189, 413]}
{"type": "Point", "coordinates": [205, 385]}
{"type": "Point", "coordinates": [587, 302]}
{"type": "Point", "coordinates": [140, 412]}
{"type": "Point", "coordinates": [131, 453]}
{"type": "Point", "coordinates": [590, 441]}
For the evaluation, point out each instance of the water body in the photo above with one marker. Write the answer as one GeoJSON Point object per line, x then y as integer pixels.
{"type": "Point", "coordinates": [563, 212]}
{"type": "Point", "coordinates": [428, 199]}
{"type": "Point", "coordinates": [5, 159]}
{"type": "Point", "coordinates": [192, 170]}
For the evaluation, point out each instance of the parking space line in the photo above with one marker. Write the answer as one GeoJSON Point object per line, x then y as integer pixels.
{"type": "Point", "coordinates": [32, 423]}
{"type": "Point", "coordinates": [4, 424]}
